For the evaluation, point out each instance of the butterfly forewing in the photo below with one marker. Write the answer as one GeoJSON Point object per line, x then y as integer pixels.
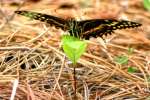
{"type": "Point", "coordinates": [100, 27]}
{"type": "Point", "coordinates": [52, 20]}
{"type": "Point", "coordinates": [123, 24]}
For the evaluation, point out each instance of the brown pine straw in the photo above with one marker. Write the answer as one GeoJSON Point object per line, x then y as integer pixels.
{"type": "Point", "coordinates": [31, 54]}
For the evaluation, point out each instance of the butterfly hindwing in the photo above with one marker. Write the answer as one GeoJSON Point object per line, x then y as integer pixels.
{"type": "Point", "coordinates": [93, 23]}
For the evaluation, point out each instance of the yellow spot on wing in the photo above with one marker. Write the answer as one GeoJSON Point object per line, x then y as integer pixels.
{"type": "Point", "coordinates": [114, 27]}
{"type": "Point", "coordinates": [121, 25]}
{"type": "Point", "coordinates": [118, 27]}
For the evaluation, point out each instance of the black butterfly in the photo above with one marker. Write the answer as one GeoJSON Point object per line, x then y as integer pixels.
{"type": "Point", "coordinates": [82, 29]}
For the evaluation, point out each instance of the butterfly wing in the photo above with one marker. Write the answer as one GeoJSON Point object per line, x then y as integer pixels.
{"type": "Point", "coordinates": [93, 23]}
{"type": "Point", "coordinates": [84, 29]}
{"type": "Point", "coordinates": [100, 27]}
{"type": "Point", "coordinates": [52, 20]}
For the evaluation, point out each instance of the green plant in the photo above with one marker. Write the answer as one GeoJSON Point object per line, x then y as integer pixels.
{"type": "Point", "coordinates": [130, 50]}
{"type": "Point", "coordinates": [146, 4]}
{"type": "Point", "coordinates": [148, 78]}
{"type": "Point", "coordinates": [121, 59]}
{"type": "Point", "coordinates": [73, 47]}
{"type": "Point", "coordinates": [132, 69]}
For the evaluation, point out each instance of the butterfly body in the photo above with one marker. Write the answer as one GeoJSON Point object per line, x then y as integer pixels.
{"type": "Point", "coordinates": [82, 29]}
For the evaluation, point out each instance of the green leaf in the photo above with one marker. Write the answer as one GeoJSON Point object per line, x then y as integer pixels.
{"type": "Point", "coordinates": [130, 50]}
{"type": "Point", "coordinates": [121, 59]}
{"type": "Point", "coordinates": [146, 4]}
{"type": "Point", "coordinates": [132, 69]}
{"type": "Point", "coordinates": [68, 38]}
{"type": "Point", "coordinates": [73, 47]}
{"type": "Point", "coordinates": [148, 78]}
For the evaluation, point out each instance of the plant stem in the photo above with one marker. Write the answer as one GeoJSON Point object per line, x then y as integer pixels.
{"type": "Point", "coordinates": [75, 82]}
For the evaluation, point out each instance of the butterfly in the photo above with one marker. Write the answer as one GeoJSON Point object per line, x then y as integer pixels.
{"type": "Point", "coordinates": [82, 29]}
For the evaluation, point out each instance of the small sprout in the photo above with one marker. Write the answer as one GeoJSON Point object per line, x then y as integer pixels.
{"type": "Point", "coordinates": [132, 69]}
{"type": "Point", "coordinates": [130, 51]}
{"type": "Point", "coordinates": [73, 47]}
{"type": "Point", "coordinates": [121, 59]}
{"type": "Point", "coordinates": [148, 79]}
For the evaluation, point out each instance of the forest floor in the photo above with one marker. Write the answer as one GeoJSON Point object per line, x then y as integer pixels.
{"type": "Point", "coordinates": [33, 65]}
